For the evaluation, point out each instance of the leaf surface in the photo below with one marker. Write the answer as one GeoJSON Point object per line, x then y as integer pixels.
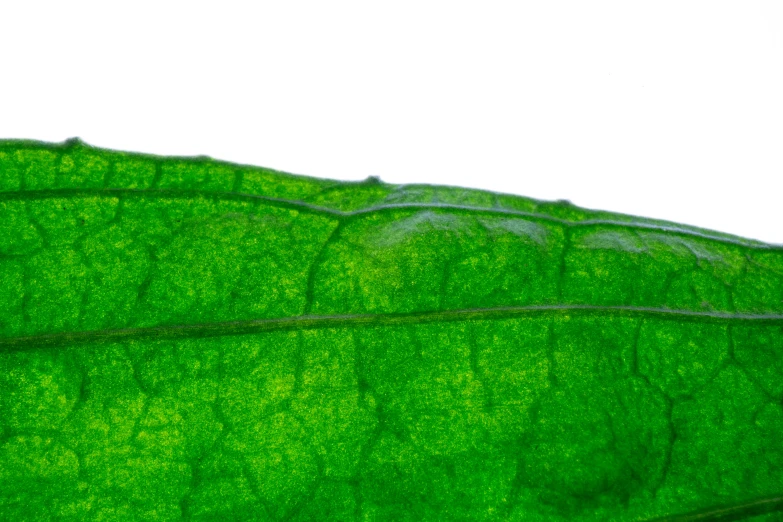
{"type": "Point", "coordinates": [184, 338]}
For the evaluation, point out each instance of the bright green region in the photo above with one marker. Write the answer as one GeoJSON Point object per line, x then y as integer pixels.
{"type": "Point", "coordinates": [530, 419]}
{"type": "Point", "coordinates": [412, 261]}
{"type": "Point", "coordinates": [189, 339]}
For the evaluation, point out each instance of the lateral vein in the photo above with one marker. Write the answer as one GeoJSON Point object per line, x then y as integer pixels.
{"type": "Point", "coordinates": [339, 214]}
{"type": "Point", "coordinates": [741, 511]}
{"type": "Point", "coordinates": [309, 322]}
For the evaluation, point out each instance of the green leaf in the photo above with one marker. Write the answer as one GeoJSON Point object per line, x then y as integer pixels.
{"type": "Point", "coordinates": [184, 338]}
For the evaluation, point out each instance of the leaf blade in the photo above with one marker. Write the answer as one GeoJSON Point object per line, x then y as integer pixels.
{"type": "Point", "coordinates": [187, 338]}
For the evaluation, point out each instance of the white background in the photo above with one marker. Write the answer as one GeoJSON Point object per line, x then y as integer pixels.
{"type": "Point", "coordinates": [666, 109]}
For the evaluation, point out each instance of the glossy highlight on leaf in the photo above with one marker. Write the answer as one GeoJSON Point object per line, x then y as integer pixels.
{"type": "Point", "coordinates": [191, 339]}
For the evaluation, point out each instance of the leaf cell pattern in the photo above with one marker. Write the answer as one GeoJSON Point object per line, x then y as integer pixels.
{"type": "Point", "coordinates": [188, 339]}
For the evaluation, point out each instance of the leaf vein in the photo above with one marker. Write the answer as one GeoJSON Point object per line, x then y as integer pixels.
{"type": "Point", "coordinates": [309, 322]}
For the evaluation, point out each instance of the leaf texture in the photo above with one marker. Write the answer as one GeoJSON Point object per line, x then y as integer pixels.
{"type": "Point", "coordinates": [189, 339]}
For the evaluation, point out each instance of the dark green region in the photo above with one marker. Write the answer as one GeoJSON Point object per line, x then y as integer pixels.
{"type": "Point", "coordinates": [190, 339]}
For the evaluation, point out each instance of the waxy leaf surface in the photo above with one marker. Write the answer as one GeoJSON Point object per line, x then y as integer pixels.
{"type": "Point", "coordinates": [189, 339]}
